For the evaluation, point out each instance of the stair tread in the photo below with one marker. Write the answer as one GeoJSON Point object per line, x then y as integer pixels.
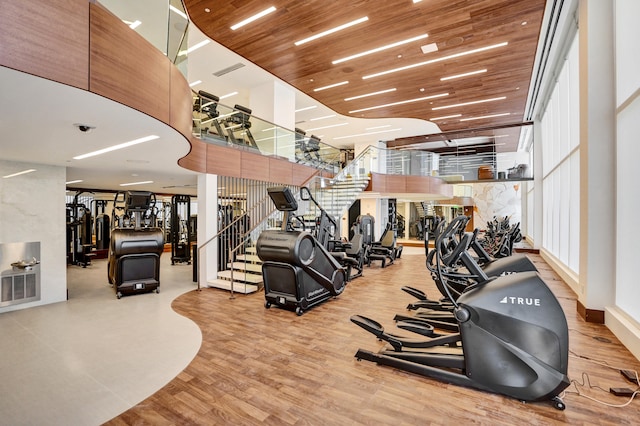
{"type": "Point", "coordinates": [249, 277]}
{"type": "Point", "coordinates": [237, 287]}
{"type": "Point", "coordinates": [242, 266]}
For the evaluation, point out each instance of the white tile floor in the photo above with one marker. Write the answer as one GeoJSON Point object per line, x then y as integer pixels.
{"type": "Point", "coordinates": [84, 361]}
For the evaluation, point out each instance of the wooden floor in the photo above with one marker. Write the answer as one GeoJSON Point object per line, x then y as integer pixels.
{"type": "Point", "coordinates": [259, 366]}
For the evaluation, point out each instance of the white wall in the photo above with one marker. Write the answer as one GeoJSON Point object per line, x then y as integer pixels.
{"type": "Point", "coordinates": [32, 208]}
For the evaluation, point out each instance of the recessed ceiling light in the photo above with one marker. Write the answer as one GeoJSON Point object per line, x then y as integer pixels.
{"type": "Point", "coordinates": [367, 133]}
{"type": "Point", "coordinates": [195, 83]}
{"type": "Point", "coordinates": [326, 127]}
{"type": "Point", "coordinates": [485, 116]}
{"type": "Point", "coordinates": [370, 94]}
{"type": "Point", "coordinates": [445, 117]}
{"type": "Point", "coordinates": [322, 118]}
{"type": "Point", "coordinates": [342, 83]}
{"type": "Point", "coordinates": [408, 101]}
{"type": "Point", "coordinates": [380, 49]}
{"type": "Point", "coordinates": [306, 108]}
{"type": "Point", "coordinates": [73, 181]}
{"type": "Point", "coordinates": [24, 172]}
{"type": "Point", "coordinates": [206, 9]}
{"type": "Point", "coordinates": [470, 103]}
{"type": "Point", "coordinates": [177, 11]}
{"type": "Point", "coordinates": [136, 183]}
{"type": "Point", "coordinates": [116, 147]}
{"type": "Point", "coordinates": [253, 18]}
{"type": "Point", "coordinates": [466, 74]}
{"type": "Point", "coordinates": [523, 23]}
{"type": "Point", "coordinates": [417, 1]}
{"type": "Point", "coordinates": [428, 48]}
{"type": "Point", "coordinates": [332, 30]}
{"type": "Point", "coordinates": [443, 58]}
{"type": "Point", "coordinates": [194, 47]}
{"type": "Point", "coordinates": [228, 95]}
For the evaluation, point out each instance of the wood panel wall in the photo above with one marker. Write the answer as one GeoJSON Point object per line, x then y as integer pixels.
{"type": "Point", "coordinates": [127, 68]}
{"type": "Point", "coordinates": [49, 39]}
{"type": "Point", "coordinates": [398, 184]}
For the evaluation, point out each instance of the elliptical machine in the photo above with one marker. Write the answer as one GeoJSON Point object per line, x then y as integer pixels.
{"type": "Point", "coordinates": [514, 338]}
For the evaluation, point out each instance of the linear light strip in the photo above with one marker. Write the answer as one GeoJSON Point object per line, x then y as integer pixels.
{"type": "Point", "coordinates": [445, 117]}
{"type": "Point", "coordinates": [194, 47]}
{"type": "Point", "coordinates": [177, 11]}
{"type": "Point", "coordinates": [367, 133]}
{"type": "Point", "coordinates": [253, 18]}
{"type": "Point", "coordinates": [195, 83]}
{"type": "Point", "coordinates": [116, 147]}
{"type": "Point", "coordinates": [306, 108]}
{"type": "Point", "coordinates": [342, 83]}
{"type": "Point", "coordinates": [24, 172]}
{"type": "Point", "coordinates": [73, 181]}
{"type": "Point", "coordinates": [469, 103]}
{"type": "Point", "coordinates": [380, 49]}
{"type": "Point", "coordinates": [485, 116]}
{"type": "Point", "coordinates": [400, 103]}
{"type": "Point", "coordinates": [370, 94]}
{"type": "Point", "coordinates": [466, 74]}
{"type": "Point", "coordinates": [332, 30]}
{"type": "Point", "coordinates": [136, 183]}
{"type": "Point", "coordinates": [432, 61]}
{"type": "Point", "coordinates": [378, 127]}
{"type": "Point", "coordinates": [327, 127]}
{"type": "Point", "coordinates": [323, 117]}
{"type": "Point", "coordinates": [228, 95]}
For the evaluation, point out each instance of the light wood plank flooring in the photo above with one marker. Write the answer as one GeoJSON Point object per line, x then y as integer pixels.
{"type": "Point", "coordinates": [259, 366]}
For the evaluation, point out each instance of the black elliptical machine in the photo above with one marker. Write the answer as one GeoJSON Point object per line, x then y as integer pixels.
{"type": "Point", "coordinates": [297, 270]}
{"type": "Point", "coordinates": [514, 337]}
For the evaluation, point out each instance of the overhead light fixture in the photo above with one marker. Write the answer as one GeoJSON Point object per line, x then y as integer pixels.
{"type": "Point", "coordinates": [432, 61]}
{"type": "Point", "coordinates": [342, 83]}
{"type": "Point", "coordinates": [228, 95]}
{"type": "Point", "coordinates": [136, 183]}
{"type": "Point", "coordinates": [177, 11]}
{"type": "Point", "coordinates": [73, 181]}
{"type": "Point", "coordinates": [466, 74]}
{"type": "Point", "coordinates": [445, 117]}
{"type": "Point", "coordinates": [195, 83]}
{"type": "Point", "coordinates": [116, 147]}
{"type": "Point", "coordinates": [408, 101]}
{"type": "Point", "coordinates": [322, 118]}
{"type": "Point", "coordinates": [485, 116]}
{"type": "Point", "coordinates": [253, 18]}
{"type": "Point", "coordinates": [326, 127]}
{"type": "Point", "coordinates": [428, 48]}
{"type": "Point", "coordinates": [135, 24]}
{"type": "Point", "coordinates": [380, 49]}
{"type": "Point", "coordinates": [370, 94]}
{"type": "Point", "coordinates": [367, 133]}
{"type": "Point", "coordinates": [417, 1]}
{"type": "Point", "coordinates": [306, 108]}
{"type": "Point", "coordinates": [378, 127]}
{"type": "Point", "coordinates": [332, 30]}
{"type": "Point", "coordinates": [194, 47]}
{"type": "Point", "coordinates": [469, 103]}
{"type": "Point", "coordinates": [24, 172]}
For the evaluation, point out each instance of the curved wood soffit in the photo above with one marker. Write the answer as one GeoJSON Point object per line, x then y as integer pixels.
{"type": "Point", "coordinates": [418, 185]}
{"type": "Point", "coordinates": [81, 44]}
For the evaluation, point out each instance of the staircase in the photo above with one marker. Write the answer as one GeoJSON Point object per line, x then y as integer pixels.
{"type": "Point", "coordinates": [338, 195]}
{"type": "Point", "coordinates": [246, 272]}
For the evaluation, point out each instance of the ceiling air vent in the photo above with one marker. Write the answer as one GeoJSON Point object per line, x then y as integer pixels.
{"type": "Point", "coordinates": [228, 69]}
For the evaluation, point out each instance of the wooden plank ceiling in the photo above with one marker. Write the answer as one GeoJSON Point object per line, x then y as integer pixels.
{"type": "Point", "coordinates": [453, 27]}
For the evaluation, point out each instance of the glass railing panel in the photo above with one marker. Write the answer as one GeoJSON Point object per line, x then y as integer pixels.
{"type": "Point", "coordinates": [163, 23]}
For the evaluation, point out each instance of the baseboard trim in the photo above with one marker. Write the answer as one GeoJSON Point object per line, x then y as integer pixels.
{"type": "Point", "coordinates": [567, 275]}
{"type": "Point", "coordinates": [625, 328]}
{"type": "Point", "coordinates": [590, 315]}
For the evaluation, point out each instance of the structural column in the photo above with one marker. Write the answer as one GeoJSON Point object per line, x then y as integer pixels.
{"type": "Point", "coordinates": [275, 102]}
{"type": "Point", "coordinates": [207, 227]}
{"type": "Point", "coordinates": [597, 159]}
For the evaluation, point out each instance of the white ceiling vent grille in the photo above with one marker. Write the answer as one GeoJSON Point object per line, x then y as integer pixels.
{"type": "Point", "coordinates": [227, 70]}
